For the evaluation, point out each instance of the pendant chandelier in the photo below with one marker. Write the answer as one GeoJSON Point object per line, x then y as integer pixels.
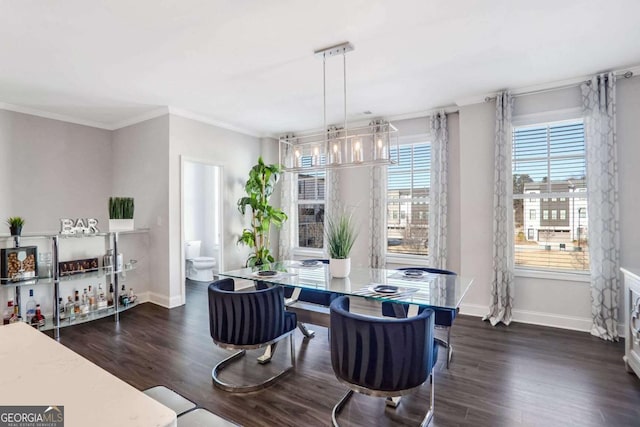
{"type": "Point", "coordinates": [339, 147]}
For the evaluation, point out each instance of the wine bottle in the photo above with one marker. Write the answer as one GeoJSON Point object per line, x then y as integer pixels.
{"type": "Point", "coordinates": [38, 319]}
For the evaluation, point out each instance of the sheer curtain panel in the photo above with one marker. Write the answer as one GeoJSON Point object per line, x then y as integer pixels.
{"type": "Point", "coordinates": [501, 300]}
{"type": "Point", "coordinates": [599, 106]}
{"type": "Point", "coordinates": [438, 190]}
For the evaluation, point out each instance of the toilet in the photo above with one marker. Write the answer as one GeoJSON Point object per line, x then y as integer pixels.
{"type": "Point", "coordinates": [199, 268]}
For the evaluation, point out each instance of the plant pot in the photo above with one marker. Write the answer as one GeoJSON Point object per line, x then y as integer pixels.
{"type": "Point", "coordinates": [121, 225]}
{"type": "Point", "coordinates": [15, 230]}
{"type": "Point", "coordinates": [340, 267]}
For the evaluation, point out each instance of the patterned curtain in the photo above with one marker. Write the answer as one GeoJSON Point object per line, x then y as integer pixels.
{"type": "Point", "coordinates": [501, 303]}
{"type": "Point", "coordinates": [378, 217]}
{"type": "Point", "coordinates": [438, 191]}
{"type": "Point", "coordinates": [289, 202]}
{"type": "Point", "coordinates": [599, 106]}
{"type": "Point", "coordinates": [332, 206]}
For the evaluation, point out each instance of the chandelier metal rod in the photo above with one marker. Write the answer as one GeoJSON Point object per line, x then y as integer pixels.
{"type": "Point", "coordinates": [324, 102]}
{"type": "Point", "coordinates": [344, 76]}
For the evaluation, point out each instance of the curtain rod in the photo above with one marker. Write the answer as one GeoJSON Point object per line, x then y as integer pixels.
{"type": "Point", "coordinates": [625, 74]}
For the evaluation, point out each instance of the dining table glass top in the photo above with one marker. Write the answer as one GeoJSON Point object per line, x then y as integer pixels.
{"type": "Point", "coordinates": [402, 286]}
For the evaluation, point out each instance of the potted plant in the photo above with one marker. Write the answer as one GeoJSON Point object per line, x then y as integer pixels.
{"type": "Point", "coordinates": [341, 234]}
{"type": "Point", "coordinates": [15, 224]}
{"type": "Point", "coordinates": [121, 213]}
{"type": "Point", "coordinates": [259, 187]}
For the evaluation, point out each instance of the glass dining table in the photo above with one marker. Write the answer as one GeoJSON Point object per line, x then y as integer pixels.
{"type": "Point", "coordinates": [413, 287]}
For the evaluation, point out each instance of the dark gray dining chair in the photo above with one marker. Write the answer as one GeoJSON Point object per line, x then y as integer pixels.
{"type": "Point", "coordinates": [381, 356]}
{"type": "Point", "coordinates": [245, 321]}
{"type": "Point", "coordinates": [444, 317]}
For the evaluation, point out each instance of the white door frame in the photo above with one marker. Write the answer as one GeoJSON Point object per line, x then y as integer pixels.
{"type": "Point", "coordinates": [183, 160]}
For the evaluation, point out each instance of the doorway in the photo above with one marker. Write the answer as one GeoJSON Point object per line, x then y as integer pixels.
{"type": "Point", "coordinates": [201, 223]}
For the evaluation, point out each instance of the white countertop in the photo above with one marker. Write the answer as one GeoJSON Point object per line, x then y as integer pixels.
{"type": "Point", "coordinates": [37, 370]}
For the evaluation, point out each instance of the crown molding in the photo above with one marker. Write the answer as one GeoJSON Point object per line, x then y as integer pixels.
{"type": "Point", "coordinates": [186, 114]}
{"type": "Point", "coordinates": [53, 116]}
{"type": "Point", "coordinates": [152, 114]}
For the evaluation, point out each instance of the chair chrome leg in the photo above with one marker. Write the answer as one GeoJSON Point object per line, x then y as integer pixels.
{"type": "Point", "coordinates": [393, 402]}
{"type": "Point", "coordinates": [308, 333]}
{"type": "Point", "coordinates": [427, 419]}
{"type": "Point", "coordinates": [292, 345]}
{"type": "Point", "coordinates": [246, 388]}
{"type": "Point", "coordinates": [268, 354]}
{"type": "Point", "coordinates": [339, 406]}
{"type": "Point", "coordinates": [447, 345]}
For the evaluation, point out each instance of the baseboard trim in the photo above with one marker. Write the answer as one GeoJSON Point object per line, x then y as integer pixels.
{"type": "Point", "coordinates": [164, 301]}
{"type": "Point", "coordinates": [534, 318]}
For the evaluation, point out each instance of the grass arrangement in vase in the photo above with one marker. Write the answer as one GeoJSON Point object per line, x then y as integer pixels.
{"type": "Point", "coordinates": [121, 211]}
{"type": "Point", "coordinates": [341, 234]}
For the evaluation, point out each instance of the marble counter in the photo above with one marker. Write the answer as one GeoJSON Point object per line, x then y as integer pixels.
{"type": "Point", "coordinates": [37, 370]}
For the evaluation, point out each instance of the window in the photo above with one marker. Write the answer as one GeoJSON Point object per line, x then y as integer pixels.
{"type": "Point", "coordinates": [532, 214]}
{"type": "Point", "coordinates": [311, 187]}
{"type": "Point", "coordinates": [549, 173]}
{"type": "Point", "coordinates": [408, 194]}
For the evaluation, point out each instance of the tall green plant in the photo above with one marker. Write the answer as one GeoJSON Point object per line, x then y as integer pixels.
{"type": "Point", "coordinates": [259, 187]}
{"type": "Point", "coordinates": [341, 234]}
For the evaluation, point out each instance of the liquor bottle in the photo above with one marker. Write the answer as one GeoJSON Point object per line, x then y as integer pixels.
{"type": "Point", "coordinates": [110, 297]}
{"type": "Point", "coordinates": [76, 304]}
{"type": "Point", "coordinates": [91, 299]}
{"type": "Point", "coordinates": [38, 319]}
{"type": "Point", "coordinates": [8, 313]}
{"type": "Point", "coordinates": [84, 304]}
{"type": "Point", "coordinates": [102, 301]}
{"type": "Point", "coordinates": [124, 298]}
{"type": "Point", "coordinates": [70, 309]}
{"type": "Point", "coordinates": [15, 317]}
{"type": "Point", "coordinates": [132, 296]}
{"type": "Point", "coordinates": [31, 307]}
{"type": "Point", "coordinates": [62, 314]}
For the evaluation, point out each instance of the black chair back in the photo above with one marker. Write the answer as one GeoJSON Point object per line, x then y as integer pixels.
{"type": "Point", "coordinates": [381, 354]}
{"type": "Point", "coordinates": [245, 318]}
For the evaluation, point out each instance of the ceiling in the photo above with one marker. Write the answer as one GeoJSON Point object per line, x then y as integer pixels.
{"type": "Point", "coordinates": [249, 64]}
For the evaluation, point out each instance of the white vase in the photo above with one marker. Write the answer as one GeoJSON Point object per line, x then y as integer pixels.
{"type": "Point", "coordinates": [120, 225]}
{"type": "Point", "coordinates": [340, 267]}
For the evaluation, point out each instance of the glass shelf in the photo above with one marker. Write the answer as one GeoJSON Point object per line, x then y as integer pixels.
{"type": "Point", "coordinates": [6, 236]}
{"type": "Point", "coordinates": [93, 315]}
{"type": "Point", "coordinates": [93, 274]}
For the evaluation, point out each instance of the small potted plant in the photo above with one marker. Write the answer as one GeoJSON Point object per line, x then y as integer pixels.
{"type": "Point", "coordinates": [15, 224]}
{"type": "Point", "coordinates": [341, 234]}
{"type": "Point", "coordinates": [121, 213]}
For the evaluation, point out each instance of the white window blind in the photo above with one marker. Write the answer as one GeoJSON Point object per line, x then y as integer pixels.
{"type": "Point", "coordinates": [549, 182]}
{"type": "Point", "coordinates": [311, 202]}
{"type": "Point", "coordinates": [408, 199]}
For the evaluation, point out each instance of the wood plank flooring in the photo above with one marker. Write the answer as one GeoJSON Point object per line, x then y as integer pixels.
{"type": "Point", "coordinates": [522, 375]}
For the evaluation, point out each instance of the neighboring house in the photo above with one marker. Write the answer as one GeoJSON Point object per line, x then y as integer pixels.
{"type": "Point", "coordinates": [555, 219]}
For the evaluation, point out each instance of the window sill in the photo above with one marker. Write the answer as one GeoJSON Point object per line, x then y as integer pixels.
{"type": "Point", "coordinates": [411, 260]}
{"type": "Point", "coordinates": [553, 275]}
{"type": "Point", "coordinates": [308, 252]}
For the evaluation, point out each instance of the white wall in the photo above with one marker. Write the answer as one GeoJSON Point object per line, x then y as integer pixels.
{"type": "Point", "coordinates": [236, 153]}
{"type": "Point", "coordinates": [201, 194]}
{"type": "Point", "coordinates": [141, 170]}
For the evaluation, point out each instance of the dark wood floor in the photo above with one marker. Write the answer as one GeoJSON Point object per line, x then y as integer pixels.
{"type": "Point", "coordinates": [517, 376]}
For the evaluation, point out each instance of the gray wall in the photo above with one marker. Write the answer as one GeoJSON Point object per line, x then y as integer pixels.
{"type": "Point", "coordinates": [53, 170]}
{"type": "Point", "coordinates": [236, 153]}
{"type": "Point", "coordinates": [141, 170]}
